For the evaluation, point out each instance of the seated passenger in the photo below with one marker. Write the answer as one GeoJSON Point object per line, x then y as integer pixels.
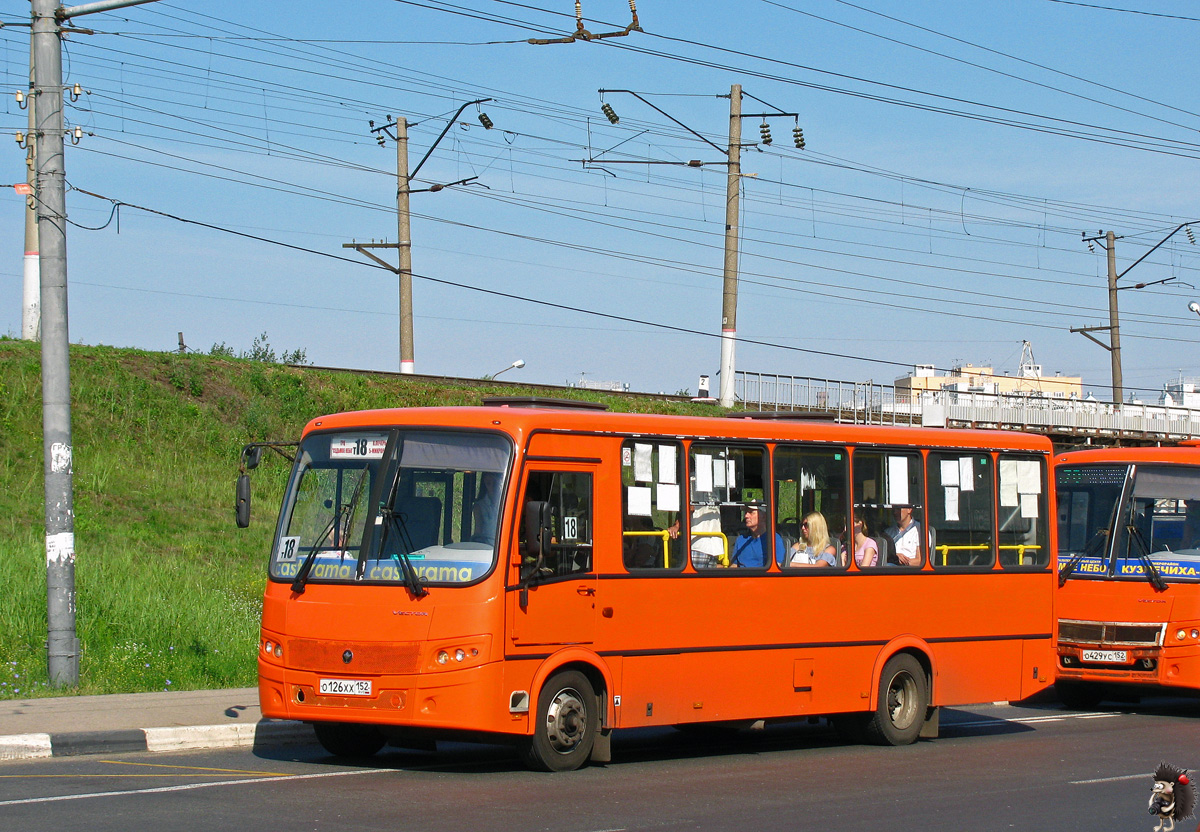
{"type": "Point", "coordinates": [816, 548]}
{"type": "Point", "coordinates": [866, 552]}
{"type": "Point", "coordinates": [906, 534]}
{"type": "Point", "coordinates": [707, 541]}
{"type": "Point", "coordinates": [749, 550]}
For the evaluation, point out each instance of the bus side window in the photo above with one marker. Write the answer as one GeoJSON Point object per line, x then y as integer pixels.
{"type": "Point", "coordinates": [889, 493]}
{"type": "Point", "coordinates": [960, 509]}
{"type": "Point", "coordinates": [569, 494]}
{"type": "Point", "coordinates": [1023, 539]}
{"type": "Point", "coordinates": [651, 491]}
{"type": "Point", "coordinates": [811, 481]}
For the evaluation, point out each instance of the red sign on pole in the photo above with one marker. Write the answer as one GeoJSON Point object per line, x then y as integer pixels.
{"type": "Point", "coordinates": [23, 188]}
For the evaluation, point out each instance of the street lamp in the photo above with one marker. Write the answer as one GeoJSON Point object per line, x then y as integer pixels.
{"type": "Point", "coordinates": [1194, 307]}
{"type": "Point", "coordinates": [516, 365]}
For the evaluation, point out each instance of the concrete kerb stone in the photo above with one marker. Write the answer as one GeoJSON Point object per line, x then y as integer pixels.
{"type": "Point", "coordinates": [176, 738]}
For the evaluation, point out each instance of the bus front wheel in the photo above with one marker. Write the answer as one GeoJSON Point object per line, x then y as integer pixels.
{"type": "Point", "coordinates": [343, 739]}
{"type": "Point", "coordinates": [567, 718]}
{"type": "Point", "coordinates": [903, 702]}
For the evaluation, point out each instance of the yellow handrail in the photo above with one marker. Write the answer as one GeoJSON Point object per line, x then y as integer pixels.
{"type": "Point", "coordinates": [666, 537]}
{"type": "Point", "coordinates": [722, 558]}
{"type": "Point", "coordinates": [945, 549]}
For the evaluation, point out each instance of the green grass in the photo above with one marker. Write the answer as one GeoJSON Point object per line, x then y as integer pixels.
{"type": "Point", "coordinates": [168, 589]}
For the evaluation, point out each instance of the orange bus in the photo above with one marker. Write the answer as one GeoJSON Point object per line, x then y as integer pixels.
{"type": "Point", "coordinates": [547, 573]}
{"type": "Point", "coordinates": [1129, 571]}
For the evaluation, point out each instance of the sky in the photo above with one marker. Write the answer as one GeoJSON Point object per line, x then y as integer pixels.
{"type": "Point", "coordinates": [957, 154]}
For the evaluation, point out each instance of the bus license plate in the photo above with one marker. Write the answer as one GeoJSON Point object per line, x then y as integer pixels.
{"type": "Point", "coordinates": [1111, 656]}
{"type": "Point", "coordinates": [346, 687]}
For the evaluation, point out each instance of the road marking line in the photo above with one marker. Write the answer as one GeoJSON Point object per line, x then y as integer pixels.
{"type": "Point", "coordinates": [1109, 779]}
{"type": "Point", "coordinates": [1033, 720]}
{"type": "Point", "coordinates": [190, 787]}
{"type": "Point", "coordinates": [195, 768]}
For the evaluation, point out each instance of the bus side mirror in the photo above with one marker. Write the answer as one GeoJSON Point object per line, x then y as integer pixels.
{"type": "Point", "coordinates": [535, 538]}
{"type": "Point", "coordinates": [243, 500]}
{"type": "Point", "coordinates": [251, 456]}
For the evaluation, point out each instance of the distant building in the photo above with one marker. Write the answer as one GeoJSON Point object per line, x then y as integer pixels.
{"type": "Point", "coordinates": [970, 379]}
{"type": "Point", "coordinates": [1185, 392]}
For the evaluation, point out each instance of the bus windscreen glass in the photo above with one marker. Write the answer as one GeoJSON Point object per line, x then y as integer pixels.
{"type": "Point", "coordinates": [437, 511]}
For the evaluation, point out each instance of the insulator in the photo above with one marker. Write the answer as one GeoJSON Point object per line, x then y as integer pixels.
{"type": "Point", "coordinates": [1191, 236]}
{"type": "Point", "coordinates": [485, 121]}
{"type": "Point", "coordinates": [764, 130]}
{"type": "Point", "coordinates": [609, 113]}
{"type": "Point", "coordinates": [1091, 246]}
{"type": "Point", "coordinates": [798, 137]}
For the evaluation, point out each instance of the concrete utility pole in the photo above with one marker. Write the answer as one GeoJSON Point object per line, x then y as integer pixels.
{"type": "Point", "coordinates": [1114, 328]}
{"type": "Point", "coordinates": [404, 246]}
{"type": "Point", "coordinates": [31, 297]}
{"type": "Point", "coordinates": [729, 297]}
{"type": "Point", "coordinates": [404, 190]}
{"type": "Point", "coordinates": [62, 646]}
{"type": "Point", "coordinates": [1114, 339]}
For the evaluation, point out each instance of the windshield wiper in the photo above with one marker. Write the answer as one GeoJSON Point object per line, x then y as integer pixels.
{"type": "Point", "coordinates": [1144, 556]}
{"type": "Point", "coordinates": [344, 518]}
{"type": "Point", "coordinates": [412, 580]}
{"type": "Point", "coordinates": [1092, 547]}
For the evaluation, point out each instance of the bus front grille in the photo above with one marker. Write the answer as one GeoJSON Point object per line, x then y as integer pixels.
{"type": "Point", "coordinates": [1109, 632]}
{"type": "Point", "coordinates": [322, 656]}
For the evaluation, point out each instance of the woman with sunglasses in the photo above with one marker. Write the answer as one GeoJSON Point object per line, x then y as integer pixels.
{"type": "Point", "coordinates": [816, 548]}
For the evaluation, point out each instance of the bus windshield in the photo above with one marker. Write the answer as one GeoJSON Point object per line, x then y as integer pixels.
{"type": "Point", "coordinates": [428, 502]}
{"type": "Point", "coordinates": [1121, 521]}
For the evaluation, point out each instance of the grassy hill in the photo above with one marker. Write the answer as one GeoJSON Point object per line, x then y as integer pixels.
{"type": "Point", "coordinates": [168, 590]}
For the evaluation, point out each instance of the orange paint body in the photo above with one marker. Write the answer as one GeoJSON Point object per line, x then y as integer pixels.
{"type": "Point", "coordinates": [668, 645]}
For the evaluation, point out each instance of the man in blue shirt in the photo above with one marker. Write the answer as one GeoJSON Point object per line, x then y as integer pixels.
{"type": "Point", "coordinates": [749, 550]}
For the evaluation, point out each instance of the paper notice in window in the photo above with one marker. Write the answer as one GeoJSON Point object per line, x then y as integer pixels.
{"type": "Point", "coordinates": [668, 496]}
{"type": "Point", "coordinates": [1008, 483]}
{"type": "Point", "coordinates": [731, 473]}
{"type": "Point", "coordinates": [641, 463]}
{"type": "Point", "coordinates": [1029, 506]}
{"type": "Point", "coordinates": [898, 480]}
{"type": "Point", "coordinates": [1029, 477]}
{"type": "Point", "coordinates": [950, 472]}
{"type": "Point", "coordinates": [718, 473]}
{"type": "Point", "coordinates": [704, 473]}
{"type": "Point", "coordinates": [951, 504]}
{"type": "Point", "coordinates": [639, 501]}
{"type": "Point", "coordinates": [666, 463]}
{"type": "Point", "coordinates": [966, 473]}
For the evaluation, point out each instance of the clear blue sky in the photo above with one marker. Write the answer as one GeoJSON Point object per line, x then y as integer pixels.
{"type": "Point", "coordinates": [955, 154]}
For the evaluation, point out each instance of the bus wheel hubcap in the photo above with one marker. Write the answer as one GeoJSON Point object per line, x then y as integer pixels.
{"type": "Point", "coordinates": [566, 721]}
{"type": "Point", "coordinates": [902, 700]}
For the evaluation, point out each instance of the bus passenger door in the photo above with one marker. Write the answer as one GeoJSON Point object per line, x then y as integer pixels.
{"type": "Point", "coordinates": [554, 602]}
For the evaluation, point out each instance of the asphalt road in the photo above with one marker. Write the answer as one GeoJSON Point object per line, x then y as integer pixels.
{"type": "Point", "coordinates": [993, 768]}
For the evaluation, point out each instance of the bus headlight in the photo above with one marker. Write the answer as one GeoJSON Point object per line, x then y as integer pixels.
{"type": "Point", "coordinates": [1195, 633]}
{"type": "Point", "coordinates": [443, 657]}
{"type": "Point", "coordinates": [1181, 634]}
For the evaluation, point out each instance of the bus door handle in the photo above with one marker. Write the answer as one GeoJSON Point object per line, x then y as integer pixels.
{"type": "Point", "coordinates": [586, 590]}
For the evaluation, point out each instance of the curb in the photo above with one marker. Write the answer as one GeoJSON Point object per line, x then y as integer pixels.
{"type": "Point", "coordinates": [178, 738]}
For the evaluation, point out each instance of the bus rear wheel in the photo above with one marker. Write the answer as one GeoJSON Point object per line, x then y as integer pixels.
{"type": "Point", "coordinates": [343, 739]}
{"type": "Point", "coordinates": [567, 718]}
{"type": "Point", "coordinates": [903, 703]}
{"type": "Point", "coordinates": [1079, 696]}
